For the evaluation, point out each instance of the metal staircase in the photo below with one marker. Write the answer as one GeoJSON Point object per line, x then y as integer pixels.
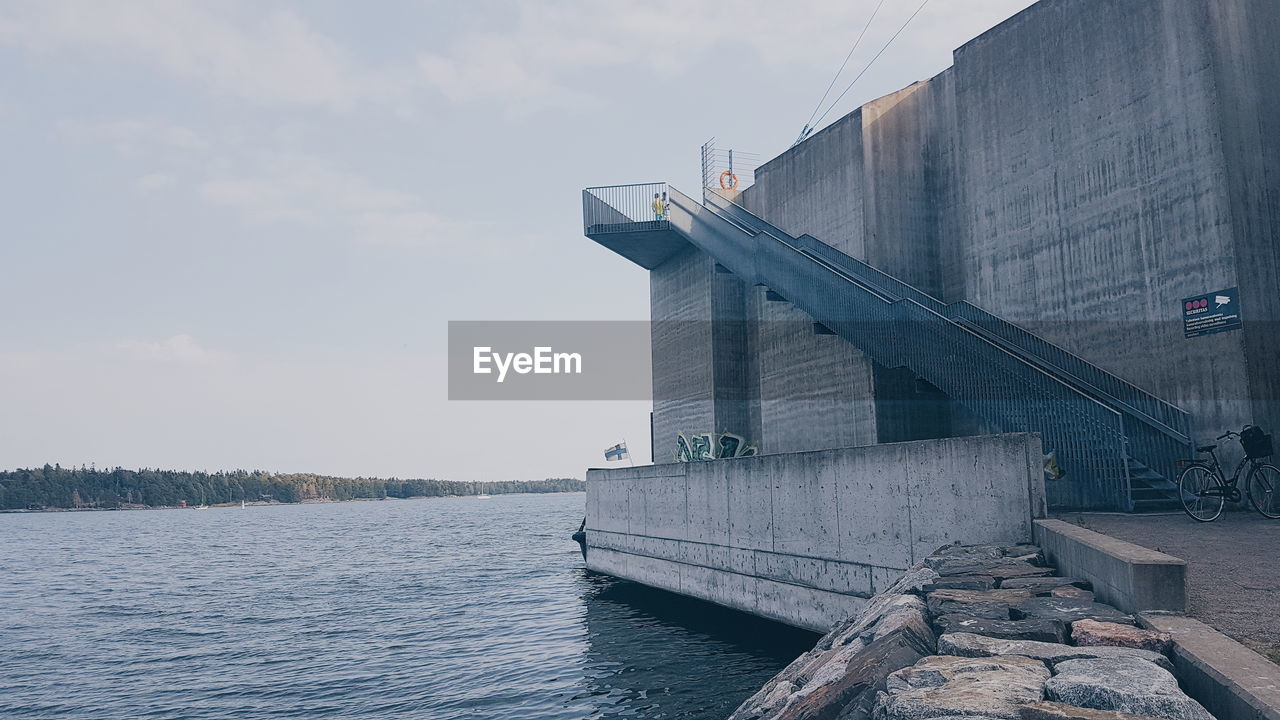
{"type": "Point", "coordinates": [1118, 443]}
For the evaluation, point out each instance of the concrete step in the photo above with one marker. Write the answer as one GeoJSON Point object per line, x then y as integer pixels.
{"type": "Point", "coordinates": [1153, 506]}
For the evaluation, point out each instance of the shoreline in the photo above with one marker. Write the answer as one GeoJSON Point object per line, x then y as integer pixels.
{"type": "Point", "coordinates": [262, 503]}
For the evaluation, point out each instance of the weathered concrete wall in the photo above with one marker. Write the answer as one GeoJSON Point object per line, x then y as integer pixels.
{"type": "Point", "coordinates": [1096, 190]}
{"type": "Point", "coordinates": [1247, 59]}
{"type": "Point", "coordinates": [805, 538]}
{"type": "Point", "coordinates": [814, 390]}
{"type": "Point", "coordinates": [699, 345]}
{"type": "Point", "coordinates": [1082, 168]}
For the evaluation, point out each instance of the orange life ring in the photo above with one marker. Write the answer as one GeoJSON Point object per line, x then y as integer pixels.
{"type": "Point", "coordinates": [731, 178]}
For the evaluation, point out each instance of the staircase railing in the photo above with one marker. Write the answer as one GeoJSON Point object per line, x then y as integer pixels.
{"type": "Point", "coordinates": [1158, 432]}
{"type": "Point", "coordinates": [1006, 391]}
{"type": "Point", "coordinates": [1012, 379]}
{"type": "Point", "coordinates": [1174, 420]}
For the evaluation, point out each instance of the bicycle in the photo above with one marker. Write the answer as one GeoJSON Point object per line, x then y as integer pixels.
{"type": "Point", "coordinates": [1204, 492]}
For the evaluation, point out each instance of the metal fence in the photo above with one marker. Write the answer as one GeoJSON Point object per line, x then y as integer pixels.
{"type": "Point", "coordinates": [625, 208]}
{"type": "Point", "coordinates": [1005, 390]}
{"type": "Point", "coordinates": [1096, 423]}
{"type": "Point", "coordinates": [1158, 433]}
{"type": "Point", "coordinates": [727, 169]}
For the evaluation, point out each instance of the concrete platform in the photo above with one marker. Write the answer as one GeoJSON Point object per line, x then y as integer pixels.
{"type": "Point", "coordinates": [1233, 567]}
{"type": "Point", "coordinates": [1229, 679]}
{"type": "Point", "coordinates": [1129, 576]}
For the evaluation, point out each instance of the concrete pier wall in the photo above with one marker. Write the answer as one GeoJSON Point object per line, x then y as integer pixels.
{"type": "Point", "coordinates": [806, 538]}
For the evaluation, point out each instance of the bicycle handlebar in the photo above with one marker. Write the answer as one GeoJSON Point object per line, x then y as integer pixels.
{"type": "Point", "coordinates": [1227, 435]}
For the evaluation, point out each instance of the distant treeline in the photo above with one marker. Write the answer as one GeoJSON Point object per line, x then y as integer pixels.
{"type": "Point", "coordinates": [53, 486]}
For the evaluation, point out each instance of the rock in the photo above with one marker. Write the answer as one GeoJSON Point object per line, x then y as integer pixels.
{"type": "Point", "coordinates": [1044, 585]}
{"type": "Point", "coordinates": [827, 665]}
{"type": "Point", "coordinates": [961, 582]}
{"type": "Point", "coordinates": [1000, 569]}
{"type": "Point", "coordinates": [1132, 686]}
{"type": "Point", "coordinates": [991, 553]}
{"type": "Point", "coordinates": [993, 604]}
{"type": "Point", "coordinates": [1052, 631]}
{"type": "Point", "coordinates": [970, 645]}
{"type": "Point", "coordinates": [910, 618]}
{"type": "Point", "coordinates": [939, 686]}
{"type": "Point", "coordinates": [1058, 711]}
{"type": "Point", "coordinates": [994, 552]}
{"type": "Point", "coordinates": [1068, 610]}
{"type": "Point", "coordinates": [1091, 632]}
{"type": "Point", "coordinates": [851, 695]}
{"type": "Point", "coordinates": [1072, 592]}
{"type": "Point", "coordinates": [879, 607]}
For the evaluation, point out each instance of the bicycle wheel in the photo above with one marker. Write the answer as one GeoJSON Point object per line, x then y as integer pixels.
{"type": "Point", "coordinates": [1263, 487]}
{"type": "Point", "coordinates": [1193, 484]}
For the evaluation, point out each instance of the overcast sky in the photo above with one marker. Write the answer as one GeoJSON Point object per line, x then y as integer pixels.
{"type": "Point", "coordinates": [233, 232]}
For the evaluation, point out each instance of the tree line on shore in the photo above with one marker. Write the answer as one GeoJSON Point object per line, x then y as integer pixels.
{"type": "Point", "coordinates": [53, 486]}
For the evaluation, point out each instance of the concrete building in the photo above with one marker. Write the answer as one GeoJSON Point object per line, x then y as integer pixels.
{"type": "Point", "coordinates": [1081, 170]}
{"type": "Point", "coordinates": [1091, 171]}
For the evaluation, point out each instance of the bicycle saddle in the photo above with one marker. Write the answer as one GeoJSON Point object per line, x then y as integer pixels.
{"type": "Point", "coordinates": [1206, 448]}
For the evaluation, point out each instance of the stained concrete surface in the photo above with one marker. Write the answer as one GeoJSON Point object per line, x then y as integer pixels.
{"type": "Point", "coordinates": [1233, 567]}
{"type": "Point", "coordinates": [806, 538]}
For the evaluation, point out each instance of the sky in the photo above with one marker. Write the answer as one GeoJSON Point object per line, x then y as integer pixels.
{"type": "Point", "coordinates": [232, 233]}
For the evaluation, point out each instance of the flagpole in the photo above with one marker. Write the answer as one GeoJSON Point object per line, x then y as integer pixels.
{"type": "Point", "coordinates": [628, 447]}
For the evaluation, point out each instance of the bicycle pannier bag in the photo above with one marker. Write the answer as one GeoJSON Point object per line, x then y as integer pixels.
{"type": "Point", "coordinates": [1257, 444]}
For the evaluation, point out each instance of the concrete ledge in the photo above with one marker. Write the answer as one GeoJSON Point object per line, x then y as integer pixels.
{"type": "Point", "coordinates": [1128, 576]}
{"type": "Point", "coordinates": [1229, 679]}
{"type": "Point", "coordinates": [805, 538]}
{"type": "Point", "coordinates": [796, 605]}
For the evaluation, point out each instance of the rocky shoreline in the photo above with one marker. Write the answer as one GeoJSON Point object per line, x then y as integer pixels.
{"type": "Point", "coordinates": [981, 633]}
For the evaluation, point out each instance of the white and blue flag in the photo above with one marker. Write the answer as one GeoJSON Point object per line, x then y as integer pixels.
{"type": "Point", "coordinates": [617, 452]}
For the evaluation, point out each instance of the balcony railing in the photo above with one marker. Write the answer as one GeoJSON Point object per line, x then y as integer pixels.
{"type": "Point", "coordinates": [625, 208]}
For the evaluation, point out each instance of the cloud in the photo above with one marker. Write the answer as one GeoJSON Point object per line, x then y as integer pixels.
{"type": "Point", "coordinates": [135, 135]}
{"type": "Point", "coordinates": [179, 349]}
{"type": "Point", "coordinates": [241, 50]}
{"type": "Point", "coordinates": [308, 191]}
{"type": "Point", "coordinates": [154, 182]}
{"type": "Point", "coordinates": [554, 50]}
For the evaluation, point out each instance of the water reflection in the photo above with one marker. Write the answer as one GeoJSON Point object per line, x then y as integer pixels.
{"type": "Point", "coordinates": [628, 675]}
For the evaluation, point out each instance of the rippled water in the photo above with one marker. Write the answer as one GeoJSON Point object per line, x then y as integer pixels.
{"type": "Point", "coordinates": [427, 609]}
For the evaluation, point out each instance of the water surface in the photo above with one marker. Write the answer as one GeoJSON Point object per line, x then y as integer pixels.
{"type": "Point", "coordinates": [430, 609]}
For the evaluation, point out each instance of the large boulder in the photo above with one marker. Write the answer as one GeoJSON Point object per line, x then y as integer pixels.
{"type": "Point", "coordinates": [892, 632]}
{"type": "Point", "coordinates": [1068, 610]}
{"type": "Point", "coordinates": [993, 604]}
{"type": "Point", "coordinates": [1058, 711]}
{"type": "Point", "coordinates": [1132, 686]}
{"type": "Point", "coordinates": [1091, 632]}
{"type": "Point", "coordinates": [911, 582]}
{"type": "Point", "coordinates": [880, 607]}
{"type": "Point", "coordinates": [970, 645]}
{"type": "Point", "coordinates": [852, 691]}
{"type": "Point", "coordinates": [1052, 631]}
{"type": "Point", "coordinates": [939, 686]}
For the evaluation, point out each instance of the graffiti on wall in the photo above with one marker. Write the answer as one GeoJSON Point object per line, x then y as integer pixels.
{"type": "Point", "coordinates": [702, 447]}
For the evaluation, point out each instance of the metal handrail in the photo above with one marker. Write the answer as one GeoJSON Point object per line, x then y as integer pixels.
{"type": "Point", "coordinates": [1005, 390]}
{"type": "Point", "coordinates": [621, 208]}
{"type": "Point", "coordinates": [1013, 379]}
{"type": "Point", "coordinates": [1165, 416]}
{"type": "Point", "coordinates": [880, 294]}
